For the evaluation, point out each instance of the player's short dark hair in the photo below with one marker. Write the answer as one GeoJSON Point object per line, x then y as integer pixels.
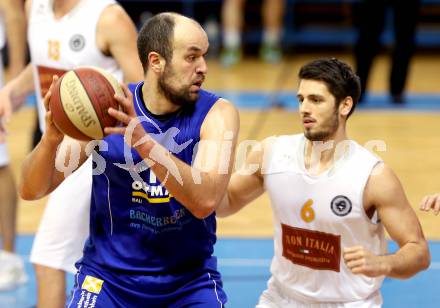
{"type": "Point", "coordinates": [156, 35]}
{"type": "Point", "coordinates": [340, 79]}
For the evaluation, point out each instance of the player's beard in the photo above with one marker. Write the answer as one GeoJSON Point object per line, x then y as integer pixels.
{"type": "Point", "coordinates": [328, 128]}
{"type": "Point", "coordinates": [179, 97]}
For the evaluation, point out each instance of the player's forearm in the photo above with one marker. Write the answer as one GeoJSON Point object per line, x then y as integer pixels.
{"type": "Point", "coordinates": [233, 200]}
{"type": "Point", "coordinates": [16, 34]}
{"type": "Point", "coordinates": [224, 208]}
{"type": "Point", "coordinates": [410, 259]}
{"type": "Point", "coordinates": [199, 192]}
{"type": "Point", "coordinates": [21, 87]}
{"type": "Point", "coordinates": [227, 207]}
{"type": "Point", "coordinates": [38, 170]}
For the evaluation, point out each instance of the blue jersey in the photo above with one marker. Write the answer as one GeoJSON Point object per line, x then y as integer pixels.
{"type": "Point", "coordinates": [136, 226]}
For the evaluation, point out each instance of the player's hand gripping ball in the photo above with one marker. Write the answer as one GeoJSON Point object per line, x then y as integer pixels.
{"type": "Point", "coordinates": [80, 101]}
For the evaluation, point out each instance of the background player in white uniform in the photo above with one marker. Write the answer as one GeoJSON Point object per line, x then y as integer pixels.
{"type": "Point", "coordinates": [62, 35]}
{"type": "Point", "coordinates": [12, 30]}
{"type": "Point", "coordinates": [331, 199]}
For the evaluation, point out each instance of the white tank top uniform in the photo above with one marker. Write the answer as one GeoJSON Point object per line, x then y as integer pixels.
{"type": "Point", "coordinates": [58, 45]}
{"type": "Point", "coordinates": [315, 218]}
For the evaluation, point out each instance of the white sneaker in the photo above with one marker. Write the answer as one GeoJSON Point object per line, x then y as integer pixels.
{"type": "Point", "coordinates": [12, 273]}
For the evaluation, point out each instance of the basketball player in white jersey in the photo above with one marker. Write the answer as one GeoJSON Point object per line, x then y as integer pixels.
{"type": "Point", "coordinates": [64, 34]}
{"type": "Point", "coordinates": [331, 200]}
{"type": "Point", "coordinates": [12, 30]}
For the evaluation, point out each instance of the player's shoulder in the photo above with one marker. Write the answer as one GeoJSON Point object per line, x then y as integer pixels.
{"type": "Point", "coordinates": [112, 13]}
{"type": "Point", "coordinates": [383, 175]}
{"type": "Point", "coordinates": [279, 151]}
{"type": "Point", "coordinates": [383, 186]}
{"type": "Point", "coordinates": [132, 86]}
{"type": "Point", "coordinates": [288, 141]}
{"type": "Point", "coordinates": [361, 155]}
{"type": "Point", "coordinates": [220, 104]}
{"type": "Point", "coordinates": [225, 104]}
{"type": "Point", "coordinates": [220, 114]}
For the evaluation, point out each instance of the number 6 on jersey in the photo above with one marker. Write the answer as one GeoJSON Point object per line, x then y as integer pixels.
{"type": "Point", "coordinates": [307, 212]}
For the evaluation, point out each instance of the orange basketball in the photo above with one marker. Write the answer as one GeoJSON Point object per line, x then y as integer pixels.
{"type": "Point", "coordinates": [80, 102]}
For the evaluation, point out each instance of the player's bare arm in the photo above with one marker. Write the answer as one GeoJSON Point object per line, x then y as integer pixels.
{"type": "Point", "coordinates": [180, 179]}
{"type": "Point", "coordinates": [385, 193]}
{"type": "Point", "coordinates": [116, 37]}
{"type": "Point", "coordinates": [39, 175]}
{"type": "Point", "coordinates": [247, 183]}
{"type": "Point", "coordinates": [14, 93]}
{"type": "Point", "coordinates": [15, 23]}
{"type": "Point", "coordinates": [431, 202]}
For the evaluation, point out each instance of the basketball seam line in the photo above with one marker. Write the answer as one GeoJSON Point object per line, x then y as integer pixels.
{"type": "Point", "coordinates": [99, 119]}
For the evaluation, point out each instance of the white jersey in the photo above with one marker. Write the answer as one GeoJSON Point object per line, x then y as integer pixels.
{"type": "Point", "coordinates": [58, 45]}
{"type": "Point", "coordinates": [315, 218]}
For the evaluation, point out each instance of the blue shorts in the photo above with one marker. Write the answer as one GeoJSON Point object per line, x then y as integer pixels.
{"type": "Point", "coordinates": [99, 288]}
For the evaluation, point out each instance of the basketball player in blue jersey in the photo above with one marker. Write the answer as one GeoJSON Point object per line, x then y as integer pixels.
{"type": "Point", "coordinates": [158, 179]}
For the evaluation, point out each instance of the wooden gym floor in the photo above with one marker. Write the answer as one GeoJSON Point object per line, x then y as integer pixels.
{"type": "Point", "coordinates": [412, 137]}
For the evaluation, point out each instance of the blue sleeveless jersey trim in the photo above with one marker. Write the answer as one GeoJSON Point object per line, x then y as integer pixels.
{"type": "Point", "coordinates": [136, 226]}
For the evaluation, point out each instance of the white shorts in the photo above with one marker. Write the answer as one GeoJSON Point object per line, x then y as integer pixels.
{"type": "Point", "coordinates": [273, 298]}
{"type": "Point", "coordinates": [4, 157]}
{"type": "Point", "coordinates": [60, 238]}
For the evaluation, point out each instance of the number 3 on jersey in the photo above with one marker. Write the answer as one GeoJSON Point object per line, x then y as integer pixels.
{"type": "Point", "coordinates": [307, 212]}
{"type": "Point", "coordinates": [53, 51]}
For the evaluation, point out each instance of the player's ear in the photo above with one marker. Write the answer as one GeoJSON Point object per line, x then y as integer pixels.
{"type": "Point", "coordinates": [345, 106]}
{"type": "Point", "coordinates": [156, 62]}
